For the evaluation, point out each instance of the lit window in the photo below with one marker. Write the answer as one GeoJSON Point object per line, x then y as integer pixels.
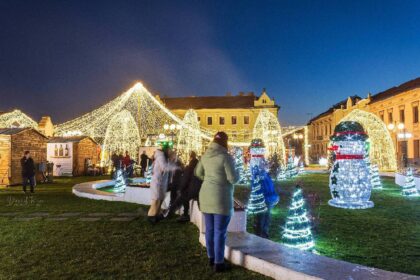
{"type": "Point", "coordinates": [233, 119]}
{"type": "Point", "coordinates": [246, 119]}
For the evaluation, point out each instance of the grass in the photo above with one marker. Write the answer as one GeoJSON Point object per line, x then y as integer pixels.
{"type": "Point", "coordinates": [72, 249]}
{"type": "Point", "coordinates": [386, 236]}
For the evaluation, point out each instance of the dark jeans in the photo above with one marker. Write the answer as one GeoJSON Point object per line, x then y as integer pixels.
{"type": "Point", "coordinates": [262, 223]}
{"type": "Point", "coordinates": [216, 229]}
{"type": "Point", "coordinates": [31, 180]}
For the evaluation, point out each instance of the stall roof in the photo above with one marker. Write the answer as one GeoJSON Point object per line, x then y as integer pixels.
{"type": "Point", "coordinates": [68, 139]}
{"type": "Point", "coordinates": [16, 130]}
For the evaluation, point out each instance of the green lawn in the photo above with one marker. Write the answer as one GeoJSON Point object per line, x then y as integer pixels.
{"type": "Point", "coordinates": [386, 236]}
{"type": "Point", "coordinates": [73, 249]}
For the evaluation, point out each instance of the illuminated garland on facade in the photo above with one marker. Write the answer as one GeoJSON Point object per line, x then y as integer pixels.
{"type": "Point", "coordinates": [16, 118]}
{"type": "Point", "coordinates": [267, 128]}
{"type": "Point", "coordinates": [297, 231]}
{"type": "Point", "coordinates": [382, 151]}
{"type": "Point", "coordinates": [189, 137]}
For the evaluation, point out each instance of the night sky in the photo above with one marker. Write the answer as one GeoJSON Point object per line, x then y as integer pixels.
{"type": "Point", "coordinates": [64, 58]}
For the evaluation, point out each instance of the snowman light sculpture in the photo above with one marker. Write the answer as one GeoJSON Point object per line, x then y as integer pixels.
{"type": "Point", "coordinates": [350, 184]}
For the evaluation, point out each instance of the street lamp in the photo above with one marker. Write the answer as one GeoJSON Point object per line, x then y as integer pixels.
{"type": "Point", "coordinates": [172, 128]}
{"type": "Point", "coordinates": [400, 133]}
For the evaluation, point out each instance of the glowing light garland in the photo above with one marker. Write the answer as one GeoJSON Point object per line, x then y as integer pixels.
{"type": "Point", "coordinates": [297, 231]}
{"type": "Point", "coordinates": [282, 174]}
{"type": "Point", "coordinates": [301, 168]}
{"type": "Point", "coordinates": [291, 169]}
{"type": "Point", "coordinates": [150, 115]}
{"type": "Point", "coordinates": [16, 118]}
{"type": "Point", "coordinates": [267, 128]}
{"type": "Point", "coordinates": [120, 185]}
{"type": "Point", "coordinates": [374, 177]}
{"type": "Point", "coordinates": [409, 188]}
{"type": "Point", "coordinates": [382, 151]}
{"type": "Point", "coordinates": [149, 174]}
{"type": "Point", "coordinates": [256, 202]}
{"type": "Point", "coordinates": [239, 165]}
{"type": "Point", "coordinates": [350, 175]}
{"type": "Point", "coordinates": [189, 138]}
{"type": "Point", "coordinates": [122, 135]}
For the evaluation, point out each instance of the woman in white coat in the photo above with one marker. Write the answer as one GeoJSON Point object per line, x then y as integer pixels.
{"type": "Point", "coordinates": [159, 183]}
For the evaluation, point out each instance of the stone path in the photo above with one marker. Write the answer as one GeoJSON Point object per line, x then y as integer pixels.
{"type": "Point", "coordinates": [78, 216]}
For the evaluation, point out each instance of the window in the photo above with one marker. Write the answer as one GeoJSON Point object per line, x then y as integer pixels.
{"type": "Point", "coordinates": [415, 114]}
{"type": "Point", "coordinates": [416, 144]}
{"type": "Point", "coordinates": [390, 119]}
{"type": "Point", "coordinates": [233, 119]}
{"type": "Point", "coordinates": [264, 101]}
{"type": "Point", "coordinates": [381, 115]}
{"type": "Point", "coordinates": [222, 120]}
{"type": "Point", "coordinates": [246, 119]}
{"type": "Point", "coordinates": [402, 116]}
{"type": "Point", "coordinates": [198, 119]}
{"type": "Point", "coordinates": [209, 120]}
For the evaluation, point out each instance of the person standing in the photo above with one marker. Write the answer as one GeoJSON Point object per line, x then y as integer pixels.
{"type": "Point", "coordinates": [28, 171]}
{"type": "Point", "coordinates": [144, 159]}
{"type": "Point", "coordinates": [159, 182]}
{"type": "Point", "coordinates": [217, 170]}
{"type": "Point", "coordinates": [188, 190]}
{"type": "Point", "coordinates": [175, 177]}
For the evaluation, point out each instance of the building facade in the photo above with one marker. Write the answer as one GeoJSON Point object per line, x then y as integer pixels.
{"type": "Point", "coordinates": [397, 107]}
{"type": "Point", "coordinates": [234, 114]}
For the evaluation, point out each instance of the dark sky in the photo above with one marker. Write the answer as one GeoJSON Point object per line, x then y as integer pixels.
{"type": "Point", "coordinates": [64, 58]}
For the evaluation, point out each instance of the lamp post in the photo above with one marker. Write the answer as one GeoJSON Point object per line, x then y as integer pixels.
{"type": "Point", "coordinates": [400, 133]}
{"type": "Point", "coordinates": [172, 129]}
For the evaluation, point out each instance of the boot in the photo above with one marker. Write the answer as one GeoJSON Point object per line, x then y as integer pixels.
{"type": "Point", "coordinates": [221, 267]}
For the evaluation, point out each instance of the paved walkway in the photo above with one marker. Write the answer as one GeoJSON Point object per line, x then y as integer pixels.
{"type": "Point", "coordinates": [79, 216]}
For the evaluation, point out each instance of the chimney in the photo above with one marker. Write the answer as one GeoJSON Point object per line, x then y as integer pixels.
{"type": "Point", "coordinates": [241, 93]}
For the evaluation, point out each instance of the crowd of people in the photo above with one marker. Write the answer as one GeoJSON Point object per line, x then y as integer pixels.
{"type": "Point", "coordinates": [208, 180]}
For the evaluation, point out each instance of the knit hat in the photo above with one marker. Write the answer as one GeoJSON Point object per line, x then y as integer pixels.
{"type": "Point", "coordinates": [221, 138]}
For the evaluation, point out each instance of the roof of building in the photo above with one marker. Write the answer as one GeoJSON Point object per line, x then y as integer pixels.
{"type": "Point", "coordinates": [11, 131]}
{"type": "Point", "coordinates": [354, 99]}
{"type": "Point", "coordinates": [63, 139]}
{"type": "Point", "coordinates": [415, 83]}
{"type": "Point", "coordinates": [16, 130]}
{"type": "Point", "coordinates": [210, 102]}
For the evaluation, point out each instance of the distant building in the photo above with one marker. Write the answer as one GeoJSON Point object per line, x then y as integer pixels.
{"type": "Point", "coordinates": [234, 114]}
{"type": "Point", "coordinates": [397, 105]}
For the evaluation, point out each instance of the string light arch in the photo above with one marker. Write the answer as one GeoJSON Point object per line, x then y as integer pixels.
{"type": "Point", "coordinates": [189, 139]}
{"type": "Point", "coordinates": [267, 128]}
{"type": "Point", "coordinates": [382, 151]}
{"type": "Point", "coordinates": [121, 135]}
